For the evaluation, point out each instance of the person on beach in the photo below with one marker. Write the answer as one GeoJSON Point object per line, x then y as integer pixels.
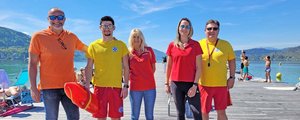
{"type": "Point", "coordinates": [11, 91]}
{"type": "Point", "coordinates": [141, 76]}
{"type": "Point", "coordinates": [109, 56]}
{"type": "Point", "coordinates": [183, 70]}
{"type": "Point", "coordinates": [243, 55]}
{"type": "Point", "coordinates": [52, 51]}
{"type": "Point", "coordinates": [80, 76]}
{"type": "Point", "coordinates": [246, 68]}
{"type": "Point", "coordinates": [268, 69]}
{"type": "Point", "coordinates": [214, 83]}
{"type": "Point", "coordinates": [164, 63]}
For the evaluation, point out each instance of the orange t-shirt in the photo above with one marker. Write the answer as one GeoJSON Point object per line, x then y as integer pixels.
{"type": "Point", "coordinates": [56, 62]}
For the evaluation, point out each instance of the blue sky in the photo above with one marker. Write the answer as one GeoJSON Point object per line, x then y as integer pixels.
{"type": "Point", "coordinates": [244, 23]}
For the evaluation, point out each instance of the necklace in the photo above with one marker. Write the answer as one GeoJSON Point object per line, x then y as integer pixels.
{"type": "Point", "coordinates": [210, 53]}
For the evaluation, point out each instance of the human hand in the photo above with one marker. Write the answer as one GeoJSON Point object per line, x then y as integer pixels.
{"type": "Point", "coordinates": [230, 83]}
{"type": "Point", "coordinates": [35, 94]}
{"type": "Point", "coordinates": [124, 92]}
{"type": "Point", "coordinates": [167, 89]}
{"type": "Point", "coordinates": [192, 91]}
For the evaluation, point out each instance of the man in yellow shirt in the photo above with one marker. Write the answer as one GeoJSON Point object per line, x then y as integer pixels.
{"type": "Point", "coordinates": [214, 83]}
{"type": "Point", "coordinates": [110, 59]}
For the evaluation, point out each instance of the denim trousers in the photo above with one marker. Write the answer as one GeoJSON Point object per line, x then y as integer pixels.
{"type": "Point", "coordinates": [52, 97]}
{"type": "Point", "coordinates": [136, 101]}
{"type": "Point", "coordinates": [179, 92]}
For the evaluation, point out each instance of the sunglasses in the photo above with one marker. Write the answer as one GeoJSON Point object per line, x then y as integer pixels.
{"type": "Point", "coordinates": [107, 26]}
{"type": "Point", "coordinates": [185, 26]}
{"type": "Point", "coordinates": [212, 28]}
{"type": "Point", "coordinates": [59, 17]}
{"type": "Point", "coordinates": [62, 44]}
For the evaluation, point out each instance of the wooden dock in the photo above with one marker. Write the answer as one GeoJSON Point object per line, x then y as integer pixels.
{"type": "Point", "coordinates": [252, 100]}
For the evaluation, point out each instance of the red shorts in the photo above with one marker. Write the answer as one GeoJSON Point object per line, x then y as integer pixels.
{"type": "Point", "coordinates": [219, 94]}
{"type": "Point", "coordinates": [109, 97]}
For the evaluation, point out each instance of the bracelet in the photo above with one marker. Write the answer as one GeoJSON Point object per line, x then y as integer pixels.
{"type": "Point", "coordinates": [166, 83]}
{"type": "Point", "coordinates": [126, 86]}
{"type": "Point", "coordinates": [196, 84]}
{"type": "Point", "coordinates": [232, 77]}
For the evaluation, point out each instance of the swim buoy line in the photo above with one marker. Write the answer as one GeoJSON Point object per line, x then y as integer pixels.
{"type": "Point", "coordinates": [81, 97]}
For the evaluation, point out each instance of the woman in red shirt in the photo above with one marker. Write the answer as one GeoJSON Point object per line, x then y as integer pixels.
{"type": "Point", "coordinates": [183, 70]}
{"type": "Point", "coordinates": [142, 67]}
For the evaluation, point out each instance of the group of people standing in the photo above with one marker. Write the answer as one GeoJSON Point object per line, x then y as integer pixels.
{"type": "Point", "coordinates": [244, 66]}
{"type": "Point", "coordinates": [195, 71]}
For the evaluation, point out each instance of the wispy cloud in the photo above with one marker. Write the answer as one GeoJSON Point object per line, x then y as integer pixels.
{"type": "Point", "coordinates": [148, 25]}
{"type": "Point", "coordinates": [229, 24]}
{"type": "Point", "coordinates": [28, 24]}
{"type": "Point", "coordinates": [146, 7]}
{"type": "Point", "coordinates": [231, 6]}
{"type": "Point", "coordinates": [21, 22]}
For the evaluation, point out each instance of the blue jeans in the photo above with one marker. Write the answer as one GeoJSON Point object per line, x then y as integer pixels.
{"type": "Point", "coordinates": [52, 97]}
{"type": "Point", "coordinates": [136, 101]}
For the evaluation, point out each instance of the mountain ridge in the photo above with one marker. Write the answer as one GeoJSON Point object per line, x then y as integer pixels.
{"type": "Point", "coordinates": [14, 46]}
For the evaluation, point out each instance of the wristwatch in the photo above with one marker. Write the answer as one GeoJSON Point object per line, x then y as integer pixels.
{"type": "Point", "coordinates": [126, 86]}
{"type": "Point", "coordinates": [232, 77]}
{"type": "Point", "coordinates": [196, 84]}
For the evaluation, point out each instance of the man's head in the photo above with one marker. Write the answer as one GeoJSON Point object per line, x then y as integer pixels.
{"type": "Point", "coordinates": [212, 28]}
{"type": "Point", "coordinates": [56, 18]}
{"type": "Point", "coordinates": [107, 25]}
{"type": "Point", "coordinates": [268, 57]}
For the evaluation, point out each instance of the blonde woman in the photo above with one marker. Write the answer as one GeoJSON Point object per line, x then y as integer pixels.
{"type": "Point", "coordinates": [142, 67]}
{"type": "Point", "coordinates": [184, 69]}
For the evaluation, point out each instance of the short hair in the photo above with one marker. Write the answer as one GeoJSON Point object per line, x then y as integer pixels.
{"type": "Point", "coordinates": [177, 41]}
{"type": "Point", "coordinates": [107, 18]}
{"type": "Point", "coordinates": [213, 22]}
{"type": "Point", "coordinates": [139, 33]}
{"type": "Point", "coordinates": [246, 57]}
{"type": "Point", "coordinates": [268, 57]}
{"type": "Point", "coordinates": [56, 9]}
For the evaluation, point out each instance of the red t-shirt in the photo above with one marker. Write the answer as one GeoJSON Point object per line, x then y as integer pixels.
{"type": "Point", "coordinates": [184, 61]}
{"type": "Point", "coordinates": [141, 72]}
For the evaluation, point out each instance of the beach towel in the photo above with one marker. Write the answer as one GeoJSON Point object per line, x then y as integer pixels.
{"type": "Point", "coordinates": [15, 110]}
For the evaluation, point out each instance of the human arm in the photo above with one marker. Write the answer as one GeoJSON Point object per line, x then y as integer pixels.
{"type": "Point", "coordinates": [126, 76]}
{"type": "Point", "coordinates": [85, 49]}
{"type": "Point", "coordinates": [231, 79]}
{"type": "Point", "coordinates": [32, 70]}
{"type": "Point", "coordinates": [168, 69]}
{"type": "Point", "coordinates": [88, 72]}
{"type": "Point", "coordinates": [192, 91]}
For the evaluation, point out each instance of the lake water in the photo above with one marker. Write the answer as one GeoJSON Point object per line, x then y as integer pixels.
{"type": "Point", "coordinates": [290, 71]}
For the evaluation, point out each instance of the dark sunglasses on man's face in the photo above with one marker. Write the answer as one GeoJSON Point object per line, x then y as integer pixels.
{"type": "Point", "coordinates": [212, 28]}
{"type": "Point", "coordinates": [59, 17]}
{"type": "Point", "coordinates": [185, 26]}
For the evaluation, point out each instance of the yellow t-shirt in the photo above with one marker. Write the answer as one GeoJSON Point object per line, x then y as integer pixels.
{"type": "Point", "coordinates": [107, 58]}
{"type": "Point", "coordinates": [216, 74]}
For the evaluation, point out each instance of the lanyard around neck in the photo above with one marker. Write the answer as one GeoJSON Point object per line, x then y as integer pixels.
{"type": "Point", "coordinates": [210, 53]}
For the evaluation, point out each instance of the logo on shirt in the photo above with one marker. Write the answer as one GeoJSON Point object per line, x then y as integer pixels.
{"type": "Point", "coordinates": [114, 49]}
{"type": "Point", "coordinates": [121, 109]}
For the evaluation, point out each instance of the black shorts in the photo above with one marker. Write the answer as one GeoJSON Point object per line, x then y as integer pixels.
{"type": "Point", "coordinates": [242, 65]}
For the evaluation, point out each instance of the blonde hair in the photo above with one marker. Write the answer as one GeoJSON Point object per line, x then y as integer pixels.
{"type": "Point", "coordinates": [177, 41]}
{"type": "Point", "coordinates": [139, 33]}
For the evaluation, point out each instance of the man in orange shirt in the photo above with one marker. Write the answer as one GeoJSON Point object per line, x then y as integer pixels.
{"type": "Point", "coordinates": [53, 50]}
